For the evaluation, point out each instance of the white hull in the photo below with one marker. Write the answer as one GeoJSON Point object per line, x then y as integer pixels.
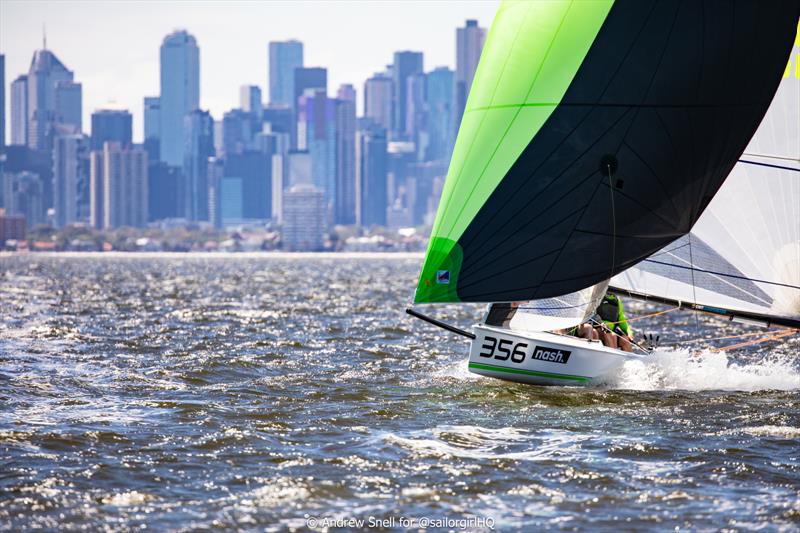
{"type": "Point", "coordinates": [542, 358]}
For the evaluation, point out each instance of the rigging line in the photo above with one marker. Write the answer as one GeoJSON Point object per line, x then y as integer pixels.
{"type": "Point", "coordinates": [768, 156]}
{"type": "Point", "coordinates": [640, 317]}
{"type": "Point", "coordinates": [613, 221]}
{"type": "Point", "coordinates": [694, 291]}
{"type": "Point", "coordinates": [766, 338]}
{"type": "Point", "coordinates": [704, 271]}
{"type": "Point", "coordinates": [780, 167]}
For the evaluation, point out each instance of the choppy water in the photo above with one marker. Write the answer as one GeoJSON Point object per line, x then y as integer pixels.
{"type": "Point", "coordinates": [196, 392]}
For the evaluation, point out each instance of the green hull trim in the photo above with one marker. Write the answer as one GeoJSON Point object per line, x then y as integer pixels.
{"type": "Point", "coordinates": [548, 375]}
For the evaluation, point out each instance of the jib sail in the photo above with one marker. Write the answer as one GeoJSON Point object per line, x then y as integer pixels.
{"type": "Point", "coordinates": [595, 134]}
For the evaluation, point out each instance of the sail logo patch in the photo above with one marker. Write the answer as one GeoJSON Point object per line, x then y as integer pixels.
{"type": "Point", "coordinates": [551, 355]}
{"type": "Point", "coordinates": [443, 277]}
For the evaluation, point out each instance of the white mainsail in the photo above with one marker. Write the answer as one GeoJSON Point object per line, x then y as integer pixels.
{"type": "Point", "coordinates": [743, 255]}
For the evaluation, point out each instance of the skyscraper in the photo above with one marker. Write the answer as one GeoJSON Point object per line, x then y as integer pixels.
{"type": "Point", "coordinates": [304, 79]}
{"type": "Point", "coordinates": [415, 112]}
{"type": "Point", "coordinates": [111, 125]}
{"type": "Point", "coordinates": [316, 127]}
{"type": "Point", "coordinates": [238, 129]}
{"type": "Point", "coordinates": [469, 44]}
{"type": "Point", "coordinates": [163, 184]}
{"type": "Point", "coordinates": [378, 100]}
{"type": "Point", "coordinates": [246, 187]}
{"type": "Point", "coordinates": [309, 78]}
{"type": "Point", "coordinates": [304, 220]}
{"type": "Point", "coordinates": [23, 195]}
{"type": "Point", "coordinates": [180, 92]}
{"type": "Point", "coordinates": [69, 105]}
{"type": "Point", "coordinates": [118, 186]}
{"type": "Point", "coordinates": [152, 128]}
{"type": "Point", "coordinates": [71, 179]}
{"type": "Point", "coordinates": [372, 177]}
{"type": "Point", "coordinates": [344, 210]}
{"type": "Point", "coordinates": [198, 147]}
{"type": "Point", "coordinates": [284, 57]}
{"type": "Point", "coordinates": [439, 120]}
{"type": "Point", "coordinates": [250, 100]}
{"type": "Point", "coordinates": [44, 74]}
{"type": "Point", "coordinates": [280, 119]}
{"type": "Point", "coordinates": [19, 111]}
{"type": "Point", "coordinates": [405, 64]}
{"type": "Point", "coordinates": [2, 102]}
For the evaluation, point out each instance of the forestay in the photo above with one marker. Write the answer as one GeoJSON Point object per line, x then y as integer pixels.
{"type": "Point", "coordinates": [743, 255]}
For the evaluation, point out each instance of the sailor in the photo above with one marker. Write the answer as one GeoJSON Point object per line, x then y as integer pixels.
{"type": "Point", "coordinates": [584, 331]}
{"type": "Point", "coordinates": [614, 330]}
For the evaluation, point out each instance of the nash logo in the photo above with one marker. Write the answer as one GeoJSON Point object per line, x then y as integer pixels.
{"type": "Point", "coordinates": [551, 354]}
{"type": "Point", "coordinates": [443, 277]}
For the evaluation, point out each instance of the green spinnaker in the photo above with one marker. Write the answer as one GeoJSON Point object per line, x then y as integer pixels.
{"type": "Point", "coordinates": [531, 55]}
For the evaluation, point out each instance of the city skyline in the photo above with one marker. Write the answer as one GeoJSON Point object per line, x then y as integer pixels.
{"type": "Point", "coordinates": [92, 52]}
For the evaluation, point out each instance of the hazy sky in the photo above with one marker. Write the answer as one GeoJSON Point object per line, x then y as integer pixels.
{"type": "Point", "coordinates": [113, 46]}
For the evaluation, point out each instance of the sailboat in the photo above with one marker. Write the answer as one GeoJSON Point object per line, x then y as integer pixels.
{"type": "Point", "coordinates": [650, 149]}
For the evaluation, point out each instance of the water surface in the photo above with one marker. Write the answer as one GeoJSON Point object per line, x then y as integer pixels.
{"type": "Point", "coordinates": [196, 392]}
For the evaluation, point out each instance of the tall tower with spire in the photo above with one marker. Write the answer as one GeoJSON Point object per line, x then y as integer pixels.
{"type": "Point", "coordinates": [52, 96]}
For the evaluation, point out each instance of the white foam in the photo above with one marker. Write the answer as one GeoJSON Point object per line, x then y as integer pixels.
{"type": "Point", "coordinates": [707, 370]}
{"type": "Point", "coordinates": [786, 432]}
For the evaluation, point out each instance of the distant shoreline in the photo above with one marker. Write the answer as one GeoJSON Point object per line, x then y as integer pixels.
{"type": "Point", "coordinates": [193, 254]}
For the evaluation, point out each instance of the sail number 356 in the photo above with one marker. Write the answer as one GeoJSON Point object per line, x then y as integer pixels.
{"type": "Point", "coordinates": [503, 349]}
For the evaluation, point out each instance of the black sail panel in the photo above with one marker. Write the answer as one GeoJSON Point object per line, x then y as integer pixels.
{"type": "Point", "coordinates": [659, 111]}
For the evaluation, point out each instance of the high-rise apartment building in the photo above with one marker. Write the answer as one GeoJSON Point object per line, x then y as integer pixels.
{"type": "Point", "coordinates": [304, 218]}
{"type": "Point", "coordinates": [469, 44]}
{"type": "Point", "coordinates": [180, 92]}
{"type": "Point", "coordinates": [71, 196]}
{"type": "Point", "coordinates": [119, 181]}
{"type": "Point", "coordinates": [284, 58]}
